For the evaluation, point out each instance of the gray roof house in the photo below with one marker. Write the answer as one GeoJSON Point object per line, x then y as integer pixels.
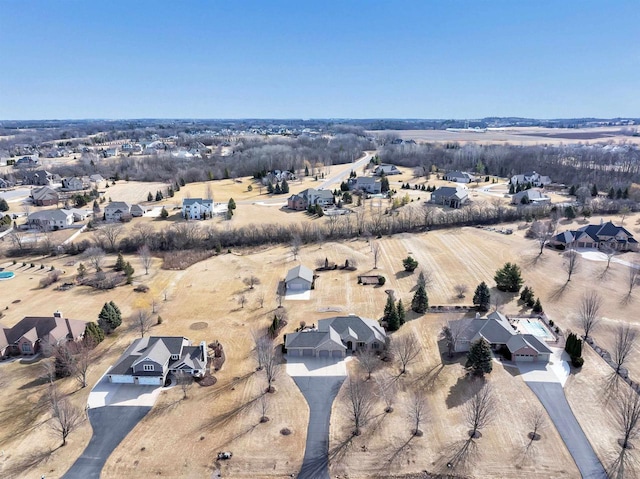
{"type": "Point", "coordinates": [604, 235]}
{"type": "Point", "coordinates": [37, 177]}
{"type": "Point", "coordinates": [529, 196]}
{"type": "Point", "coordinates": [309, 197]}
{"type": "Point", "coordinates": [386, 170]}
{"type": "Point", "coordinates": [451, 196]}
{"type": "Point", "coordinates": [459, 176]}
{"type": "Point", "coordinates": [197, 208]}
{"type": "Point", "coordinates": [49, 220]}
{"type": "Point", "coordinates": [335, 337]}
{"type": "Point", "coordinates": [368, 184]}
{"type": "Point", "coordinates": [72, 184]}
{"type": "Point", "coordinates": [4, 183]}
{"type": "Point", "coordinates": [498, 332]}
{"type": "Point", "coordinates": [148, 361]}
{"type": "Point", "coordinates": [299, 278]}
{"type": "Point", "coordinates": [44, 196]}
{"type": "Point", "coordinates": [536, 179]}
{"type": "Point", "coordinates": [115, 210]}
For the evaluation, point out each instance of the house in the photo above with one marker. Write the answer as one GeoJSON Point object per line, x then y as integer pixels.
{"type": "Point", "coordinates": [337, 337]}
{"type": "Point", "coordinates": [37, 178]}
{"type": "Point", "coordinates": [110, 152]}
{"type": "Point", "coordinates": [115, 210]}
{"type": "Point", "coordinates": [26, 162]}
{"type": "Point", "coordinates": [535, 179]}
{"type": "Point", "coordinates": [96, 178]}
{"type": "Point", "coordinates": [604, 235]}
{"type": "Point", "coordinates": [299, 278]}
{"type": "Point", "coordinates": [459, 176]}
{"type": "Point", "coordinates": [33, 334]}
{"type": "Point", "coordinates": [197, 208]}
{"type": "Point", "coordinates": [529, 196]}
{"type": "Point", "coordinates": [386, 170]}
{"type": "Point", "coordinates": [451, 196]}
{"type": "Point", "coordinates": [72, 184]}
{"type": "Point", "coordinates": [499, 333]}
{"type": "Point", "coordinates": [80, 214]}
{"type": "Point", "coordinates": [367, 184]}
{"type": "Point", "coordinates": [148, 361]}
{"type": "Point", "coordinates": [139, 210]}
{"type": "Point", "coordinates": [4, 183]}
{"type": "Point", "coordinates": [44, 196]}
{"type": "Point", "coordinates": [49, 220]}
{"type": "Point", "coordinates": [310, 197]}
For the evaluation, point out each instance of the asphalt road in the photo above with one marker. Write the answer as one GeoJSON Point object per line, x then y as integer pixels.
{"type": "Point", "coordinates": [110, 424]}
{"type": "Point", "coordinates": [554, 401]}
{"type": "Point", "coordinates": [319, 391]}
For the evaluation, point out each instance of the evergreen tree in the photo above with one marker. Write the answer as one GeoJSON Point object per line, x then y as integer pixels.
{"type": "Point", "coordinates": [231, 205]}
{"type": "Point", "coordinates": [625, 193]}
{"type": "Point", "coordinates": [159, 195]}
{"type": "Point", "coordinates": [537, 306]}
{"type": "Point", "coordinates": [108, 318]}
{"type": "Point", "coordinates": [182, 183]}
{"type": "Point", "coordinates": [508, 278]}
{"type": "Point", "coordinates": [119, 263]}
{"type": "Point", "coordinates": [619, 194]}
{"type": "Point", "coordinates": [409, 264]}
{"type": "Point", "coordinates": [149, 197]}
{"type": "Point", "coordinates": [482, 297]}
{"type": "Point", "coordinates": [479, 358]}
{"type": "Point", "coordinates": [82, 271]}
{"type": "Point", "coordinates": [612, 193]}
{"type": "Point", "coordinates": [402, 314]}
{"type": "Point", "coordinates": [594, 190]}
{"type": "Point", "coordinates": [420, 301]}
{"type": "Point", "coordinates": [128, 271]}
{"type": "Point", "coordinates": [277, 190]}
{"type": "Point", "coordinates": [284, 188]}
{"type": "Point", "coordinates": [94, 333]}
{"type": "Point", "coordinates": [4, 206]}
{"type": "Point", "coordinates": [269, 188]}
{"type": "Point", "coordinates": [319, 211]}
{"type": "Point", "coordinates": [572, 190]}
{"type": "Point", "coordinates": [306, 170]}
{"type": "Point", "coordinates": [384, 184]}
{"type": "Point", "coordinates": [391, 315]}
{"type": "Point", "coordinates": [226, 173]}
{"type": "Point", "coordinates": [164, 214]}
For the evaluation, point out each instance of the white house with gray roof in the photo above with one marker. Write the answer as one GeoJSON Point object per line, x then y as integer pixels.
{"type": "Point", "coordinates": [451, 196]}
{"type": "Point", "coordinates": [149, 360]}
{"type": "Point", "coordinates": [115, 210]}
{"type": "Point", "coordinates": [299, 278]}
{"type": "Point", "coordinates": [337, 337]}
{"type": "Point", "coordinates": [197, 208]}
{"type": "Point", "coordinates": [50, 220]}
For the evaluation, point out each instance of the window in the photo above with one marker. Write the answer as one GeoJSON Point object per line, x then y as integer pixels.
{"type": "Point", "coordinates": [375, 346]}
{"type": "Point", "coordinates": [147, 367]}
{"type": "Point", "coordinates": [26, 348]}
{"type": "Point", "coordinates": [361, 344]}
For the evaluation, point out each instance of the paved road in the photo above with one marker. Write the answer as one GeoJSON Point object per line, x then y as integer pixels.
{"type": "Point", "coordinates": [319, 391]}
{"type": "Point", "coordinates": [553, 399]}
{"type": "Point", "coordinates": [110, 425]}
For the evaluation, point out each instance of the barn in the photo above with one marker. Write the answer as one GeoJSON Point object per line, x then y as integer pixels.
{"type": "Point", "coordinates": [299, 278]}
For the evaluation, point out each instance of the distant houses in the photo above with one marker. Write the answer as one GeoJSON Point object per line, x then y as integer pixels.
{"type": "Point", "coordinates": [386, 170]}
{"type": "Point", "coordinates": [459, 176]}
{"type": "Point", "coordinates": [73, 184]}
{"type": "Point", "coordinates": [532, 178]}
{"type": "Point", "coordinates": [44, 196]}
{"type": "Point", "coordinates": [451, 196]}
{"type": "Point", "coordinates": [117, 211]}
{"type": "Point", "coordinates": [310, 197]}
{"type": "Point", "coordinates": [366, 184]}
{"type": "Point", "coordinates": [529, 196]}
{"type": "Point", "coordinates": [605, 235]}
{"type": "Point", "coordinates": [26, 162]}
{"type": "Point", "coordinates": [4, 183]}
{"type": "Point", "coordinates": [38, 178]}
{"type": "Point", "coordinates": [197, 208]}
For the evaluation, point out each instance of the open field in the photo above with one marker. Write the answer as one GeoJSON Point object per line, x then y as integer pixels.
{"type": "Point", "coordinates": [226, 414]}
{"type": "Point", "coordinates": [524, 136]}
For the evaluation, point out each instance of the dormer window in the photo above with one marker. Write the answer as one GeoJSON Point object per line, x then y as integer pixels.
{"type": "Point", "coordinates": [147, 367]}
{"type": "Point", "coordinates": [175, 357]}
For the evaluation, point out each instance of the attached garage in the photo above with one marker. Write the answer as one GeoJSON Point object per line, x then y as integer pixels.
{"type": "Point", "coordinates": [323, 353]}
{"type": "Point", "coordinates": [149, 380]}
{"type": "Point", "coordinates": [523, 358]}
{"type": "Point", "coordinates": [337, 354]}
{"type": "Point", "coordinates": [307, 352]}
{"type": "Point", "coordinates": [293, 352]}
{"type": "Point", "coordinates": [120, 379]}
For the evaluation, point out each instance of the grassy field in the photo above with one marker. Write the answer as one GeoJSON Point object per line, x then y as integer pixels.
{"type": "Point", "coordinates": [202, 305]}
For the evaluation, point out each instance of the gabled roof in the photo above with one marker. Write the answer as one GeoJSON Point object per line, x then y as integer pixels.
{"type": "Point", "coordinates": [156, 352]}
{"type": "Point", "coordinates": [3, 339]}
{"type": "Point", "coordinates": [299, 271]}
{"type": "Point", "coordinates": [520, 341]}
{"type": "Point", "coordinates": [496, 329]}
{"type": "Point", "coordinates": [531, 194]}
{"type": "Point", "coordinates": [193, 201]}
{"type": "Point", "coordinates": [118, 205]}
{"type": "Point", "coordinates": [50, 215]}
{"type": "Point", "coordinates": [192, 358]}
{"type": "Point", "coordinates": [156, 348]}
{"type": "Point", "coordinates": [450, 191]}
{"type": "Point", "coordinates": [609, 229]}
{"type": "Point", "coordinates": [365, 329]}
{"type": "Point", "coordinates": [44, 327]}
{"type": "Point", "coordinates": [43, 193]}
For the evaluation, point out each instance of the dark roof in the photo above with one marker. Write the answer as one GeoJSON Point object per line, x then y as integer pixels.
{"type": "Point", "coordinates": [365, 329]}
{"type": "Point", "coordinates": [609, 229]}
{"type": "Point", "coordinates": [157, 348]}
{"type": "Point", "coordinates": [45, 326]}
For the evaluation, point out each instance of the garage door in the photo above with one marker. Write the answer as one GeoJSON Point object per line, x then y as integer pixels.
{"type": "Point", "coordinates": [307, 352]}
{"type": "Point", "coordinates": [293, 352]}
{"type": "Point", "coordinates": [336, 354]}
{"type": "Point", "coordinates": [146, 380]}
{"type": "Point", "coordinates": [118, 379]}
{"type": "Point", "coordinates": [294, 286]}
{"type": "Point", "coordinates": [524, 358]}
{"type": "Point", "coordinates": [324, 354]}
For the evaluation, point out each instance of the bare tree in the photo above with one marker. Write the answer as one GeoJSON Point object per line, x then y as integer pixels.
{"type": "Point", "coordinates": [296, 244]}
{"type": "Point", "coordinates": [185, 381]}
{"type": "Point", "coordinates": [263, 348]}
{"type": "Point", "coordinates": [542, 231]}
{"type": "Point", "coordinates": [145, 257]}
{"type": "Point", "coordinates": [634, 276]}
{"type": "Point", "coordinates": [110, 233]}
{"type": "Point", "coordinates": [375, 251]}
{"type": "Point", "coordinates": [589, 311]}
{"type": "Point", "coordinates": [628, 418]}
{"type": "Point", "coordinates": [368, 361]}
{"type": "Point", "coordinates": [65, 417]}
{"type": "Point", "coordinates": [17, 238]}
{"type": "Point", "coordinates": [260, 300]}
{"type": "Point", "coordinates": [83, 359]}
{"type": "Point", "coordinates": [142, 321]}
{"type": "Point", "coordinates": [571, 263]}
{"type": "Point", "coordinates": [451, 333]}
{"type": "Point", "coordinates": [417, 412]}
{"type": "Point", "coordinates": [425, 279]}
{"type": "Point", "coordinates": [536, 421]}
{"type": "Point", "coordinates": [387, 389]}
{"type": "Point", "coordinates": [242, 300]}
{"type": "Point", "coordinates": [610, 252]}
{"type": "Point", "coordinates": [263, 404]}
{"type": "Point", "coordinates": [461, 289]}
{"type": "Point", "coordinates": [208, 192]}
{"type": "Point", "coordinates": [95, 257]}
{"type": "Point", "coordinates": [360, 402]}
{"type": "Point", "coordinates": [623, 346]}
{"type": "Point", "coordinates": [480, 410]}
{"type": "Point", "coordinates": [251, 281]}
{"type": "Point", "coordinates": [271, 368]}
{"type": "Point", "coordinates": [405, 349]}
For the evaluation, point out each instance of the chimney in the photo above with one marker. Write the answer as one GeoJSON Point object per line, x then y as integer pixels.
{"type": "Point", "coordinates": [477, 315]}
{"type": "Point", "coordinates": [203, 347]}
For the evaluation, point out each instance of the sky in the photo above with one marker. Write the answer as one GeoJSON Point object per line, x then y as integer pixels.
{"type": "Point", "coordinates": [69, 59]}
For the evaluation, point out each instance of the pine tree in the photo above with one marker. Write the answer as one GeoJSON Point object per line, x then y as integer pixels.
{"type": "Point", "coordinates": [226, 173]}
{"type": "Point", "coordinates": [384, 184]}
{"type": "Point", "coordinates": [277, 190]}
{"type": "Point", "coordinates": [306, 170]}
{"type": "Point", "coordinates": [284, 188]}
{"type": "Point", "coordinates": [402, 314]}
{"type": "Point", "coordinates": [537, 306]}
{"type": "Point", "coordinates": [391, 315]}
{"type": "Point", "coordinates": [118, 314]}
{"type": "Point", "coordinates": [94, 333]}
{"type": "Point", "coordinates": [159, 196]}
{"type": "Point", "coordinates": [269, 188]}
{"type": "Point", "coordinates": [479, 358]}
{"type": "Point", "coordinates": [508, 278]}
{"type": "Point", "coordinates": [107, 318]}
{"type": "Point", "coordinates": [164, 214]}
{"type": "Point", "coordinates": [231, 205]}
{"type": "Point", "coordinates": [612, 193]}
{"type": "Point", "coordinates": [594, 190]}
{"type": "Point", "coordinates": [128, 271]}
{"type": "Point", "coordinates": [82, 271]}
{"type": "Point", "coordinates": [420, 301]}
{"type": "Point", "coordinates": [149, 197]}
{"type": "Point", "coordinates": [482, 297]}
{"type": "Point", "coordinates": [119, 263]}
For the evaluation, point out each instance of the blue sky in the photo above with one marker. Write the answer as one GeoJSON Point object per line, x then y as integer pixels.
{"type": "Point", "coordinates": [320, 59]}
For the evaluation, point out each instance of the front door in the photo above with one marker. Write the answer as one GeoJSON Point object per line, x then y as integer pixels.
{"type": "Point", "coordinates": [349, 345]}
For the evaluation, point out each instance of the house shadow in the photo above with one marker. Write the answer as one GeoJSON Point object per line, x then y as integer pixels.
{"type": "Point", "coordinates": [34, 383]}
{"type": "Point", "coordinates": [403, 274]}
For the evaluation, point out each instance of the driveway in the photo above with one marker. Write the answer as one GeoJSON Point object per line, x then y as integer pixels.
{"type": "Point", "coordinates": [319, 379]}
{"type": "Point", "coordinates": [113, 410]}
{"type": "Point", "coordinates": [547, 382]}
{"type": "Point", "coordinates": [297, 295]}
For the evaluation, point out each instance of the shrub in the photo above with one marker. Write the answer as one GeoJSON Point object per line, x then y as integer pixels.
{"type": "Point", "coordinates": [141, 288]}
{"type": "Point", "coordinates": [381, 280]}
{"type": "Point", "coordinates": [409, 264]}
{"type": "Point", "coordinates": [577, 361]}
{"type": "Point", "coordinates": [551, 323]}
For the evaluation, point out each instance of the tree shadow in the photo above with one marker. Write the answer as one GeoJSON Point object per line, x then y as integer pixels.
{"type": "Point", "coordinates": [430, 377]}
{"type": "Point", "coordinates": [458, 456]}
{"type": "Point", "coordinates": [35, 383]}
{"type": "Point", "coordinates": [610, 388]}
{"type": "Point", "coordinates": [225, 418]}
{"type": "Point", "coordinates": [625, 464]}
{"type": "Point", "coordinates": [464, 388]}
{"type": "Point", "coordinates": [559, 291]}
{"type": "Point", "coordinates": [317, 467]}
{"type": "Point", "coordinates": [533, 260]}
{"type": "Point", "coordinates": [21, 465]}
{"type": "Point", "coordinates": [403, 274]}
{"type": "Point", "coordinates": [627, 299]}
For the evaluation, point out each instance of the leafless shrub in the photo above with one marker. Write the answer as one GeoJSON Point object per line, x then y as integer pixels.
{"type": "Point", "coordinates": [144, 253]}
{"type": "Point", "coordinates": [241, 300]}
{"type": "Point", "coordinates": [480, 410]}
{"type": "Point", "coordinates": [359, 399]}
{"type": "Point", "coordinates": [406, 349]}
{"type": "Point", "coordinates": [52, 277]}
{"type": "Point", "coordinates": [95, 257]}
{"type": "Point", "coordinates": [251, 281]}
{"type": "Point", "coordinates": [589, 311]}
{"type": "Point", "coordinates": [461, 290]}
{"type": "Point", "coordinates": [368, 361]}
{"type": "Point", "coordinates": [142, 321]}
{"type": "Point", "coordinates": [65, 417]}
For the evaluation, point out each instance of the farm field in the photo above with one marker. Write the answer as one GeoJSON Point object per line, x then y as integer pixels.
{"type": "Point", "coordinates": [202, 305]}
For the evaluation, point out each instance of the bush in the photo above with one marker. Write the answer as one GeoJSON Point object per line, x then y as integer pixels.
{"type": "Point", "coordinates": [141, 288]}
{"type": "Point", "coordinates": [577, 361]}
{"type": "Point", "coordinates": [409, 264]}
{"type": "Point", "coordinates": [381, 280]}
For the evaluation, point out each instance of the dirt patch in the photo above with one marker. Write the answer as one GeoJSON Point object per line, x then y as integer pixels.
{"type": "Point", "coordinates": [207, 380]}
{"type": "Point", "coordinates": [199, 325]}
